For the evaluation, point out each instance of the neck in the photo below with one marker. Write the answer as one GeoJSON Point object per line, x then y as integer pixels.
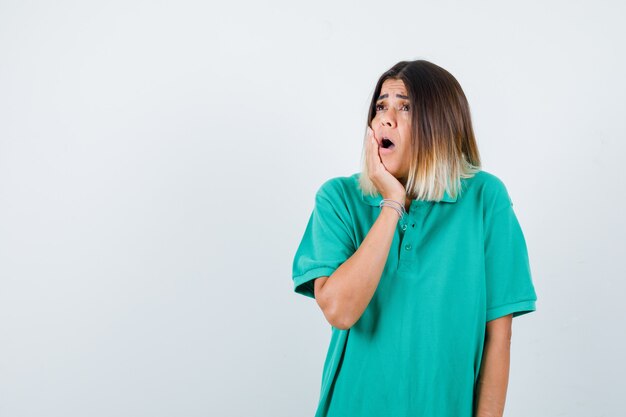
{"type": "Point", "coordinates": [407, 204]}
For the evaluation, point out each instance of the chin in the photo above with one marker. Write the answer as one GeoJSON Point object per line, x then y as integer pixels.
{"type": "Point", "coordinates": [398, 175]}
{"type": "Point", "coordinates": [393, 170]}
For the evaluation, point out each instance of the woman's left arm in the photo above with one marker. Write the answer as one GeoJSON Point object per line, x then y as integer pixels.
{"type": "Point", "coordinates": [493, 377]}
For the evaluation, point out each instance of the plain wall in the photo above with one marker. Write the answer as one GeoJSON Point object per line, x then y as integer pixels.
{"type": "Point", "coordinates": [158, 164]}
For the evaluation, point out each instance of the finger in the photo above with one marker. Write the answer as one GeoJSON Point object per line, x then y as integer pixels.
{"type": "Point", "coordinates": [372, 156]}
{"type": "Point", "coordinates": [368, 151]}
{"type": "Point", "coordinates": [378, 159]}
{"type": "Point", "coordinates": [371, 132]}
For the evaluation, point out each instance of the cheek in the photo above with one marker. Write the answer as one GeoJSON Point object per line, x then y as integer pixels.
{"type": "Point", "coordinates": [406, 132]}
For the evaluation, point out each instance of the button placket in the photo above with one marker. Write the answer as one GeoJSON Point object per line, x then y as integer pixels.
{"type": "Point", "coordinates": [413, 226]}
{"type": "Point", "coordinates": [408, 233]}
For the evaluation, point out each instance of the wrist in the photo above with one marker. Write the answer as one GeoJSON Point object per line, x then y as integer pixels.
{"type": "Point", "coordinates": [399, 198]}
{"type": "Point", "coordinates": [390, 212]}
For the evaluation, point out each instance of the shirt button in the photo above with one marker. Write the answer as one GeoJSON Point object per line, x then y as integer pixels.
{"type": "Point", "coordinates": [404, 227]}
{"type": "Point", "coordinates": [407, 247]}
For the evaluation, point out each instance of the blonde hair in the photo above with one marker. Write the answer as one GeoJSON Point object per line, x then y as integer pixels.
{"type": "Point", "coordinates": [443, 147]}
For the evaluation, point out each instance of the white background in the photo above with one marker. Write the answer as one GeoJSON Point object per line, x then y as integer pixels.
{"type": "Point", "coordinates": [158, 164]}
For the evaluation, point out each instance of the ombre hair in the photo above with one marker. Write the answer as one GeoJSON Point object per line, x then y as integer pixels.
{"type": "Point", "coordinates": [443, 148]}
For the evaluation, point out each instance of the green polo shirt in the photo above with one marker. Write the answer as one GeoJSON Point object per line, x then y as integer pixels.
{"type": "Point", "coordinates": [453, 266]}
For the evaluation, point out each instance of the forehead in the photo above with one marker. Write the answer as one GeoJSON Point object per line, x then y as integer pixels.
{"type": "Point", "coordinates": [393, 86]}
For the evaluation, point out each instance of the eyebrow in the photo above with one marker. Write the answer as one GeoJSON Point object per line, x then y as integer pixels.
{"type": "Point", "coordinates": [387, 95]}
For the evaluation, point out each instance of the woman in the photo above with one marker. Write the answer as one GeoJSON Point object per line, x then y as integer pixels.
{"type": "Point", "coordinates": [418, 262]}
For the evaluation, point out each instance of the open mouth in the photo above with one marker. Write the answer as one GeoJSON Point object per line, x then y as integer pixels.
{"type": "Point", "coordinates": [387, 143]}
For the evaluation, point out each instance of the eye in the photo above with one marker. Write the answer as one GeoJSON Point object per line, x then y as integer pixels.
{"type": "Point", "coordinates": [405, 107]}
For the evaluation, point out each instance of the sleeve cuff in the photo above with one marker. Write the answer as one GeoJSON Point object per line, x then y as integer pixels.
{"type": "Point", "coordinates": [303, 284]}
{"type": "Point", "coordinates": [517, 309]}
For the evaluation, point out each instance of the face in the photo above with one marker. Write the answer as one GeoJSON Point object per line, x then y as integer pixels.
{"type": "Point", "coordinates": [393, 121]}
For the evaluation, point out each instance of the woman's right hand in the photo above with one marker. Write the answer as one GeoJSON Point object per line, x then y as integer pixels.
{"type": "Point", "coordinates": [388, 185]}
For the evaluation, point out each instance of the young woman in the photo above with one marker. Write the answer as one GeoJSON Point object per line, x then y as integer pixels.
{"type": "Point", "coordinates": [418, 262]}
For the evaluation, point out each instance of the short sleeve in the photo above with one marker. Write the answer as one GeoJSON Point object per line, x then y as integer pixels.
{"type": "Point", "coordinates": [327, 242]}
{"type": "Point", "coordinates": [509, 285]}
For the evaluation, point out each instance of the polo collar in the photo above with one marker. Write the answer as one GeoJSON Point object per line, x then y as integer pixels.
{"type": "Point", "coordinates": [375, 201]}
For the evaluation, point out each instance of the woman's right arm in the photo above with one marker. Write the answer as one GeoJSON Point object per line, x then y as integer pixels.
{"type": "Point", "coordinates": [344, 296]}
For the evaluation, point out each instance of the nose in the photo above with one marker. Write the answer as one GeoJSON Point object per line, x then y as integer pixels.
{"type": "Point", "coordinates": [388, 119]}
